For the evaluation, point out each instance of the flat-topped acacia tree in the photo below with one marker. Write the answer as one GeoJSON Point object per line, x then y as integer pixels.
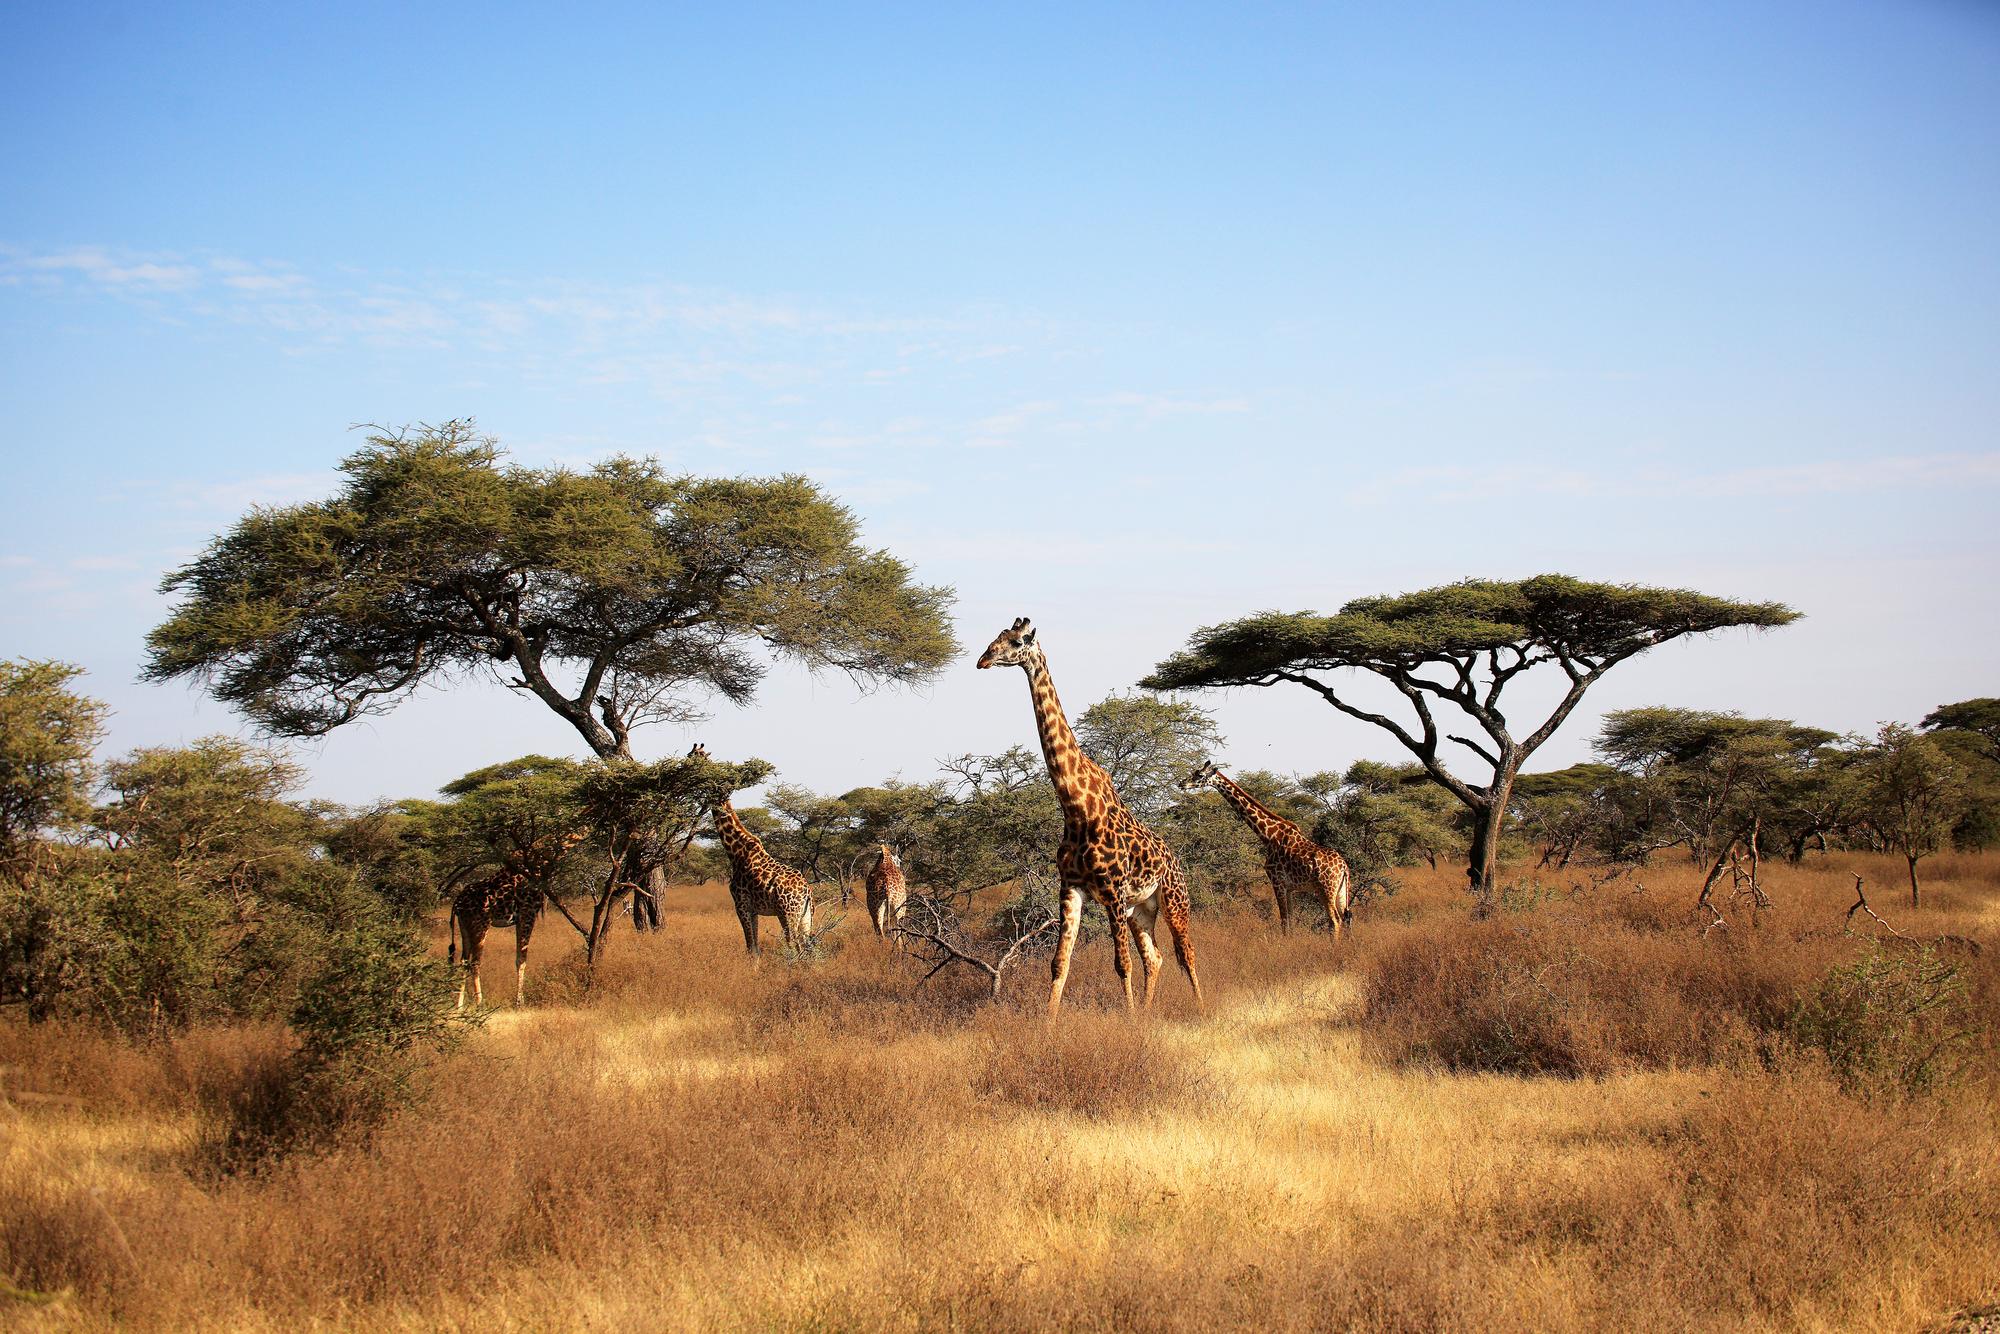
{"type": "Point", "coordinates": [1460, 645]}
{"type": "Point", "coordinates": [617, 596]}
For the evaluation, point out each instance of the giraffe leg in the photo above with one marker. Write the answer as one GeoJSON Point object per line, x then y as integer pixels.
{"type": "Point", "coordinates": [524, 927]}
{"type": "Point", "coordinates": [1121, 954]}
{"type": "Point", "coordinates": [1284, 908]}
{"type": "Point", "coordinates": [749, 924]}
{"type": "Point", "coordinates": [1072, 918]}
{"type": "Point", "coordinates": [472, 935]}
{"type": "Point", "coordinates": [1143, 918]}
{"type": "Point", "coordinates": [1332, 896]}
{"type": "Point", "coordinates": [1177, 927]}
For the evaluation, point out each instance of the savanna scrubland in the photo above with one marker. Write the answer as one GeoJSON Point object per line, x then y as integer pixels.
{"type": "Point", "coordinates": [1580, 1112]}
{"type": "Point", "coordinates": [1615, 1045]}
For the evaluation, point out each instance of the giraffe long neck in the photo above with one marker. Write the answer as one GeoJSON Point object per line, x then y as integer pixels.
{"type": "Point", "coordinates": [1264, 822]}
{"type": "Point", "coordinates": [737, 839]}
{"type": "Point", "coordinates": [1066, 760]}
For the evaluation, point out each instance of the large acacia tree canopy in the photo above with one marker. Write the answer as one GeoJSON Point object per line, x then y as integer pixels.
{"type": "Point", "coordinates": [1551, 618]}
{"type": "Point", "coordinates": [613, 594]}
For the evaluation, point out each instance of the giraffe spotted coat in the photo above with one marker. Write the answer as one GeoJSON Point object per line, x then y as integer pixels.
{"type": "Point", "coordinates": [760, 884]}
{"type": "Point", "coordinates": [510, 896]}
{"type": "Point", "coordinates": [1105, 853]}
{"type": "Point", "coordinates": [1295, 864]}
{"type": "Point", "coordinates": [887, 891]}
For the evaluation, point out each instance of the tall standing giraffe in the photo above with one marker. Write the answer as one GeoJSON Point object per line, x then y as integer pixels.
{"type": "Point", "coordinates": [760, 884]}
{"type": "Point", "coordinates": [887, 891]}
{"type": "Point", "coordinates": [1105, 851]}
{"type": "Point", "coordinates": [511, 896]}
{"type": "Point", "coordinates": [1294, 863]}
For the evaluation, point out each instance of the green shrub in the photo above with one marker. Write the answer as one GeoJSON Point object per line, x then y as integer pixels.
{"type": "Point", "coordinates": [366, 1017]}
{"type": "Point", "coordinates": [1894, 1019]}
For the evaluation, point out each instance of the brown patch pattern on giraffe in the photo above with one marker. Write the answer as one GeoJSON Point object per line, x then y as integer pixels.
{"type": "Point", "coordinates": [1294, 863]}
{"type": "Point", "coordinates": [1105, 853]}
{"type": "Point", "coordinates": [887, 891]}
{"type": "Point", "coordinates": [760, 884]}
{"type": "Point", "coordinates": [511, 896]}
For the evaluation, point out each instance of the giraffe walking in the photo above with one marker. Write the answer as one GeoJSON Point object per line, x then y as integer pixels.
{"type": "Point", "coordinates": [887, 891]}
{"type": "Point", "coordinates": [1294, 863]}
{"type": "Point", "coordinates": [510, 896]}
{"type": "Point", "coordinates": [760, 884]}
{"type": "Point", "coordinates": [1105, 852]}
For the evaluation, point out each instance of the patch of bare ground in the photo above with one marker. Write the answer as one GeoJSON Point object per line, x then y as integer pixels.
{"type": "Point", "coordinates": [695, 1141]}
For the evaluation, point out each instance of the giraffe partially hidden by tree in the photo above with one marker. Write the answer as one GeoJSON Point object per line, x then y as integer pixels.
{"type": "Point", "coordinates": [1105, 852]}
{"type": "Point", "coordinates": [511, 896]}
{"type": "Point", "coordinates": [760, 884]}
{"type": "Point", "coordinates": [887, 891]}
{"type": "Point", "coordinates": [1295, 864]}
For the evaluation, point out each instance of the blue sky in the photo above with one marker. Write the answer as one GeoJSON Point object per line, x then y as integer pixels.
{"type": "Point", "coordinates": [1129, 318]}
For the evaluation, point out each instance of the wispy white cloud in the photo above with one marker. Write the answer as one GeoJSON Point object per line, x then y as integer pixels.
{"type": "Point", "coordinates": [136, 273]}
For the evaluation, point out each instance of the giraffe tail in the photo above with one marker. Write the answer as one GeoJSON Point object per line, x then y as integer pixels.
{"type": "Point", "coordinates": [451, 937]}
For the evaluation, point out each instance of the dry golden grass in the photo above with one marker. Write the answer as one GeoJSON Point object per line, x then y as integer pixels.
{"type": "Point", "coordinates": [699, 1143]}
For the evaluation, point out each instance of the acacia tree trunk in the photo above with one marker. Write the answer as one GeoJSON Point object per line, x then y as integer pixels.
{"type": "Point", "coordinates": [1482, 864]}
{"type": "Point", "coordinates": [1911, 858]}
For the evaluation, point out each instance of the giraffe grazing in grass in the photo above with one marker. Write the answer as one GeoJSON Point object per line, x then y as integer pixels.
{"type": "Point", "coordinates": [760, 884]}
{"type": "Point", "coordinates": [1105, 852]}
{"type": "Point", "coordinates": [1295, 864]}
{"type": "Point", "coordinates": [510, 896]}
{"type": "Point", "coordinates": [887, 891]}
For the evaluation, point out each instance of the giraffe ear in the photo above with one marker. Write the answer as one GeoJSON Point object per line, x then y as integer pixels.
{"type": "Point", "coordinates": [1028, 635]}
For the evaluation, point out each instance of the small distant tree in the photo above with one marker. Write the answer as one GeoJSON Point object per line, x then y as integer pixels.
{"type": "Point", "coordinates": [1396, 811]}
{"type": "Point", "coordinates": [617, 596]}
{"type": "Point", "coordinates": [1710, 782]}
{"type": "Point", "coordinates": [392, 848]}
{"type": "Point", "coordinates": [1970, 732]}
{"type": "Point", "coordinates": [1002, 826]}
{"type": "Point", "coordinates": [48, 733]}
{"type": "Point", "coordinates": [1147, 745]}
{"type": "Point", "coordinates": [637, 818]}
{"type": "Point", "coordinates": [1915, 793]}
{"type": "Point", "coordinates": [51, 892]}
{"type": "Point", "coordinates": [1460, 646]}
{"type": "Point", "coordinates": [1563, 809]}
{"type": "Point", "coordinates": [1977, 719]}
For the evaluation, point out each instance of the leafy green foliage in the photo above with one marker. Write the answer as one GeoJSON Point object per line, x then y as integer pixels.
{"type": "Point", "coordinates": [1383, 816]}
{"type": "Point", "coordinates": [391, 848]}
{"type": "Point", "coordinates": [1704, 780]}
{"type": "Point", "coordinates": [372, 1005]}
{"type": "Point", "coordinates": [437, 559]}
{"type": "Point", "coordinates": [47, 735]}
{"type": "Point", "coordinates": [1914, 794]}
{"type": "Point", "coordinates": [1893, 1020]}
{"type": "Point", "coordinates": [1974, 718]}
{"type": "Point", "coordinates": [1146, 745]}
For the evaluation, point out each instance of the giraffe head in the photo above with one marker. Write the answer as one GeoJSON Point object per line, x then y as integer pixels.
{"type": "Point", "coordinates": [1013, 647]}
{"type": "Point", "coordinates": [1202, 776]}
{"type": "Point", "coordinates": [699, 752]}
